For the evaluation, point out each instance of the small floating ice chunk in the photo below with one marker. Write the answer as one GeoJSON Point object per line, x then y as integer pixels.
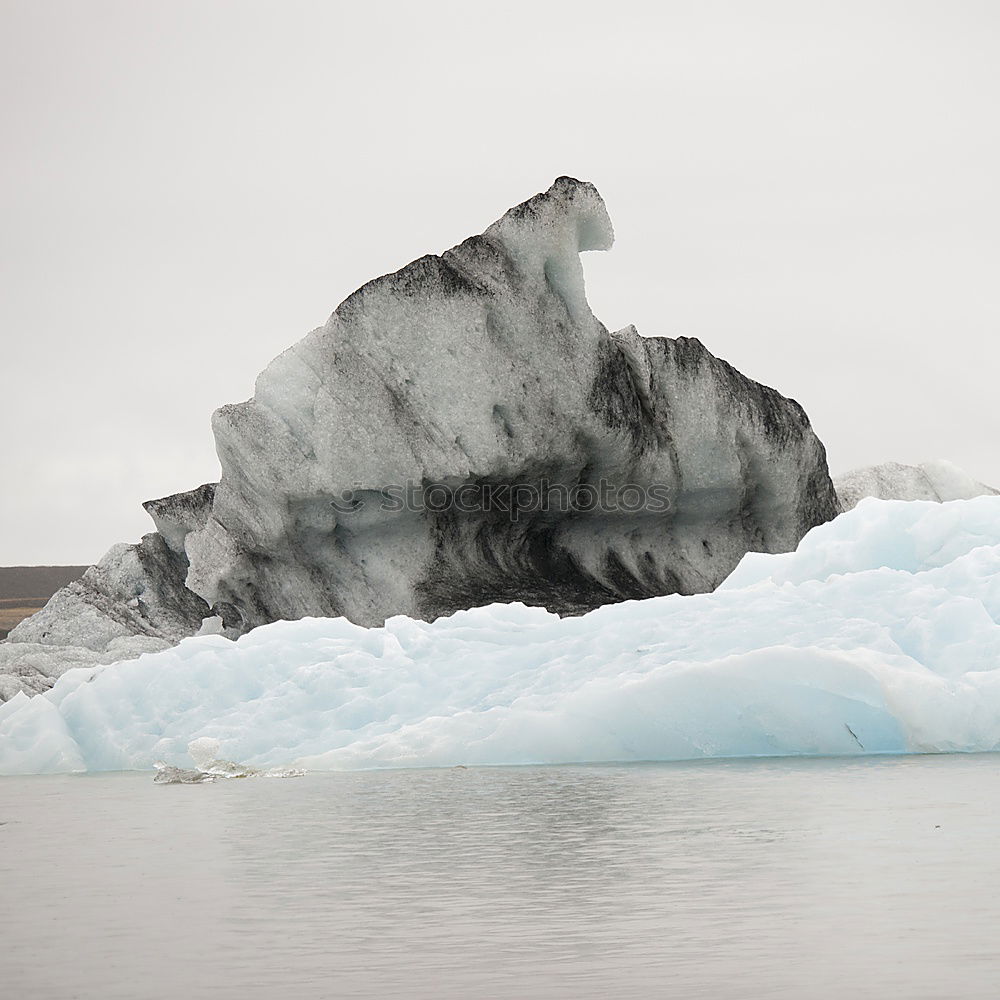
{"type": "Point", "coordinates": [204, 751]}
{"type": "Point", "coordinates": [167, 774]}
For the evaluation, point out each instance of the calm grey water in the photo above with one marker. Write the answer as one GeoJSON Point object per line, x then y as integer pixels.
{"type": "Point", "coordinates": [778, 878]}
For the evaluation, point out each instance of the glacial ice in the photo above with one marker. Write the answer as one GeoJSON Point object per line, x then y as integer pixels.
{"type": "Point", "coordinates": [937, 480]}
{"type": "Point", "coordinates": [133, 601]}
{"type": "Point", "coordinates": [879, 634]}
{"type": "Point", "coordinates": [204, 751]}
{"type": "Point", "coordinates": [475, 372]}
{"type": "Point", "coordinates": [484, 369]}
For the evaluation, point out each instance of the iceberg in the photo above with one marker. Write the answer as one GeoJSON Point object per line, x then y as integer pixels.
{"type": "Point", "coordinates": [879, 634]}
{"type": "Point", "coordinates": [460, 432]}
{"type": "Point", "coordinates": [938, 480]}
{"type": "Point", "coordinates": [209, 767]}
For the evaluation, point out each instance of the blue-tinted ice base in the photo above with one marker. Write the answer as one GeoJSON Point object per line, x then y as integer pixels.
{"type": "Point", "coordinates": [879, 635]}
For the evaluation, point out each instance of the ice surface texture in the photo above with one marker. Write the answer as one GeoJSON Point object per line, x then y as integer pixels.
{"type": "Point", "coordinates": [133, 601]}
{"type": "Point", "coordinates": [938, 480]}
{"type": "Point", "coordinates": [484, 368]}
{"type": "Point", "coordinates": [209, 767]}
{"type": "Point", "coordinates": [880, 634]}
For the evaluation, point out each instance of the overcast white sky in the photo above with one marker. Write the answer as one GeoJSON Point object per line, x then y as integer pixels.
{"type": "Point", "coordinates": [186, 188]}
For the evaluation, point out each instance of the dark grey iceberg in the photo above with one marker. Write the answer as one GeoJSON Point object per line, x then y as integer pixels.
{"type": "Point", "coordinates": [465, 431]}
